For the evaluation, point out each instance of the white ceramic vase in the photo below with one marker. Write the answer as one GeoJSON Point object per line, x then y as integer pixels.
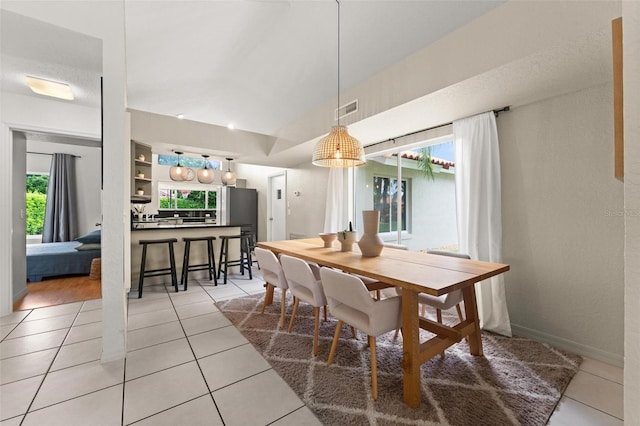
{"type": "Point", "coordinates": [347, 239]}
{"type": "Point", "coordinates": [370, 244]}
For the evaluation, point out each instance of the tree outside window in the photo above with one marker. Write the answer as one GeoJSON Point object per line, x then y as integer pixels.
{"type": "Point", "coordinates": [385, 190]}
{"type": "Point", "coordinates": [36, 201]}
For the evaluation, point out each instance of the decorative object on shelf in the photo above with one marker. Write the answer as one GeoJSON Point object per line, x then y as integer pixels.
{"type": "Point", "coordinates": [328, 238]}
{"type": "Point", "coordinates": [338, 148]}
{"type": "Point", "coordinates": [141, 157]}
{"type": "Point", "coordinates": [205, 175]}
{"type": "Point", "coordinates": [371, 244]}
{"type": "Point", "coordinates": [140, 191]}
{"type": "Point", "coordinates": [176, 172]}
{"type": "Point", "coordinates": [140, 174]}
{"type": "Point", "coordinates": [229, 178]}
{"type": "Point", "coordinates": [347, 238]}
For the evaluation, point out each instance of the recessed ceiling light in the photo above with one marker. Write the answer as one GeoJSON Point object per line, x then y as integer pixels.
{"type": "Point", "coordinates": [230, 126]}
{"type": "Point", "coordinates": [49, 88]}
{"type": "Point", "coordinates": [180, 116]}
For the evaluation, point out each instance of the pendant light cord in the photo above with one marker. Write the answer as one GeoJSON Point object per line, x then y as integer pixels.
{"type": "Point", "coordinates": [338, 109]}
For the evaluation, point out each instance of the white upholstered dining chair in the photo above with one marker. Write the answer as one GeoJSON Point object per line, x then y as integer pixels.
{"type": "Point", "coordinates": [304, 286]}
{"type": "Point", "coordinates": [274, 277]}
{"type": "Point", "coordinates": [448, 300]}
{"type": "Point", "coordinates": [350, 302]}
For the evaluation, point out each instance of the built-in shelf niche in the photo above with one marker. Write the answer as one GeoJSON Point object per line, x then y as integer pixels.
{"type": "Point", "coordinates": [141, 177]}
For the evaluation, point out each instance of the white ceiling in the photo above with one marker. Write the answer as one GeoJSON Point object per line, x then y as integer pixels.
{"type": "Point", "coordinates": [262, 64]}
{"type": "Point", "coordinates": [256, 64]}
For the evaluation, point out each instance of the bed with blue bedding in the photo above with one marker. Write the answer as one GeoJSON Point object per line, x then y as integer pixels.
{"type": "Point", "coordinates": [56, 259]}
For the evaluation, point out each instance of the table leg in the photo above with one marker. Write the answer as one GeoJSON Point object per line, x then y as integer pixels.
{"type": "Point", "coordinates": [471, 314]}
{"type": "Point", "coordinates": [411, 348]}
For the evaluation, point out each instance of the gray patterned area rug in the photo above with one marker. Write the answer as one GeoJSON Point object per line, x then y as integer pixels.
{"type": "Point", "coordinates": [517, 381]}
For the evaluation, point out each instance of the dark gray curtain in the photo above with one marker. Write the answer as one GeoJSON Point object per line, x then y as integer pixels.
{"type": "Point", "coordinates": [60, 217]}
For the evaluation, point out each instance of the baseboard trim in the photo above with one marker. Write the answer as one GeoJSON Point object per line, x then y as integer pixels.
{"type": "Point", "coordinates": [569, 345]}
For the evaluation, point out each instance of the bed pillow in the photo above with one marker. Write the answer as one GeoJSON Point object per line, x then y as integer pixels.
{"type": "Point", "coordinates": [92, 237]}
{"type": "Point", "coordinates": [88, 246]}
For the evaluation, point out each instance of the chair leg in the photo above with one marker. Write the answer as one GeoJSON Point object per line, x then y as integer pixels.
{"type": "Point", "coordinates": [459, 312]}
{"type": "Point", "coordinates": [374, 368]}
{"type": "Point", "coordinates": [293, 313]}
{"type": "Point", "coordinates": [185, 265]}
{"type": "Point", "coordinates": [142, 267]}
{"type": "Point", "coordinates": [266, 297]}
{"type": "Point", "coordinates": [439, 317]}
{"type": "Point", "coordinates": [283, 305]}
{"type": "Point", "coordinates": [334, 344]}
{"type": "Point", "coordinates": [353, 333]}
{"type": "Point", "coordinates": [325, 313]}
{"type": "Point", "coordinates": [212, 262]}
{"type": "Point", "coordinates": [172, 261]}
{"type": "Point", "coordinates": [316, 330]}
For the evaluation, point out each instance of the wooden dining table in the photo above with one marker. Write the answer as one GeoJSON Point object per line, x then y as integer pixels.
{"type": "Point", "coordinates": [414, 272]}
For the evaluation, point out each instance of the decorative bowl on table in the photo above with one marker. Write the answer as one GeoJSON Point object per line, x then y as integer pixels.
{"type": "Point", "coordinates": [328, 238]}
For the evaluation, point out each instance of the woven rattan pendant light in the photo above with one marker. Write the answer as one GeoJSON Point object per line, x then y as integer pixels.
{"type": "Point", "coordinates": [338, 148]}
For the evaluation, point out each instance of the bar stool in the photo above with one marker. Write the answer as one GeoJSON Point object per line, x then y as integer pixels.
{"type": "Point", "coordinates": [210, 266]}
{"type": "Point", "coordinates": [251, 247]}
{"type": "Point", "coordinates": [245, 255]}
{"type": "Point", "coordinates": [157, 272]}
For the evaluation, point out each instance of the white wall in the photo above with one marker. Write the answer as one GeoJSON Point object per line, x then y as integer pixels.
{"type": "Point", "coordinates": [104, 20]}
{"type": "Point", "coordinates": [307, 211]}
{"type": "Point", "coordinates": [87, 164]}
{"type": "Point", "coordinates": [631, 34]}
{"type": "Point", "coordinates": [37, 114]}
{"type": "Point", "coordinates": [562, 234]}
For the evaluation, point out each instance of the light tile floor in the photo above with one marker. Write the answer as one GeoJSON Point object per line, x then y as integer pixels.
{"type": "Point", "coordinates": [186, 365]}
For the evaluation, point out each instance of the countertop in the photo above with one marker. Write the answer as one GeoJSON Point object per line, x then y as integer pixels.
{"type": "Point", "coordinates": [151, 225]}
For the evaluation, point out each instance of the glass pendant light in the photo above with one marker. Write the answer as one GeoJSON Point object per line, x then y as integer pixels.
{"type": "Point", "coordinates": [338, 148]}
{"type": "Point", "coordinates": [205, 175]}
{"type": "Point", "coordinates": [229, 178]}
{"type": "Point", "coordinates": [175, 172]}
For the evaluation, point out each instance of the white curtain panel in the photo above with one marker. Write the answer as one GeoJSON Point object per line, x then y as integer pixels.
{"type": "Point", "coordinates": [335, 217]}
{"type": "Point", "coordinates": [478, 205]}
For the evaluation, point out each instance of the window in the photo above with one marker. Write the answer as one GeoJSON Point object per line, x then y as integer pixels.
{"type": "Point", "coordinates": [385, 192]}
{"type": "Point", "coordinates": [183, 196]}
{"type": "Point", "coordinates": [198, 163]}
{"type": "Point", "coordinates": [424, 175]}
{"type": "Point", "coordinates": [36, 202]}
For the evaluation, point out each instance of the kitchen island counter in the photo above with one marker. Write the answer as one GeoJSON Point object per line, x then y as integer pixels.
{"type": "Point", "coordinates": [148, 225]}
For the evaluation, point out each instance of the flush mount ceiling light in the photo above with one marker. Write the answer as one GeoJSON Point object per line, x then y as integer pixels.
{"type": "Point", "coordinates": [205, 175]}
{"type": "Point", "coordinates": [338, 148]}
{"type": "Point", "coordinates": [229, 178]}
{"type": "Point", "coordinates": [180, 116]}
{"type": "Point", "coordinates": [49, 88]}
{"type": "Point", "coordinates": [175, 172]}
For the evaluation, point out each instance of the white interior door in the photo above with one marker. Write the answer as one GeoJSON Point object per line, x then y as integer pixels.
{"type": "Point", "coordinates": [277, 219]}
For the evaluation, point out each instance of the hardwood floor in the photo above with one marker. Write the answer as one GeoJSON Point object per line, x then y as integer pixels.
{"type": "Point", "coordinates": [56, 291]}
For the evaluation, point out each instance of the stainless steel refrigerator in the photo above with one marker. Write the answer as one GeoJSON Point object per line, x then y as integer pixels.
{"type": "Point", "coordinates": [239, 206]}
